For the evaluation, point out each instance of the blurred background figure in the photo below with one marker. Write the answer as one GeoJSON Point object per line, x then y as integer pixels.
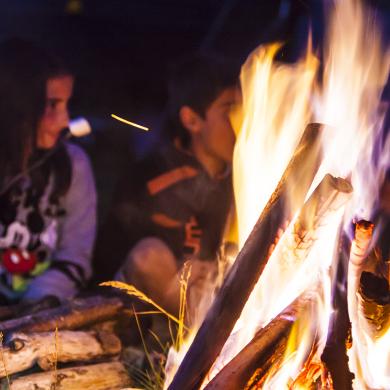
{"type": "Point", "coordinates": [47, 191]}
{"type": "Point", "coordinates": [172, 206]}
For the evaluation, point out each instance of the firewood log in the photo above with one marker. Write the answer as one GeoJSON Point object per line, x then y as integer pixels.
{"type": "Point", "coordinates": [21, 309]}
{"type": "Point", "coordinates": [331, 194]}
{"type": "Point", "coordinates": [357, 259]}
{"type": "Point", "coordinates": [103, 376]}
{"type": "Point", "coordinates": [71, 315]}
{"type": "Point", "coordinates": [294, 247]}
{"type": "Point", "coordinates": [366, 329]}
{"type": "Point", "coordinates": [47, 348]}
{"type": "Point", "coordinates": [265, 350]}
{"type": "Point", "coordinates": [374, 304]}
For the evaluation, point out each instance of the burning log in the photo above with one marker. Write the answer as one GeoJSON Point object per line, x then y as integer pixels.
{"type": "Point", "coordinates": [358, 255]}
{"type": "Point", "coordinates": [338, 341]}
{"type": "Point", "coordinates": [72, 315]}
{"type": "Point", "coordinates": [315, 375]}
{"type": "Point", "coordinates": [248, 266]}
{"type": "Point", "coordinates": [103, 376]}
{"type": "Point", "coordinates": [48, 348]}
{"type": "Point", "coordinates": [374, 304]}
{"type": "Point", "coordinates": [328, 197]}
{"type": "Point", "coordinates": [368, 307]}
{"type": "Point", "coordinates": [265, 350]}
{"type": "Point", "coordinates": [331, 194]}
{"type": "Point", "coordinates": [368, 285]}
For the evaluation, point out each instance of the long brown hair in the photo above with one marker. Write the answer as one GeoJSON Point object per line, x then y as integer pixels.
{"type": "Point", "coordinates": [24, 71]}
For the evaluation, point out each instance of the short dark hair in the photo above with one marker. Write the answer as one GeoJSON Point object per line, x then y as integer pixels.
{"type": "Point", "coordinates": [196, 81]}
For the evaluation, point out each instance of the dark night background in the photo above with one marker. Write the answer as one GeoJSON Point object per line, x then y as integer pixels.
{"type": "Point", "coordinates": [120, 51]}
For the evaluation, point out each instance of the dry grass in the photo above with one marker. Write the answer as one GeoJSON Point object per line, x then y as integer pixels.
{"type": "Point", "coordinates": [154, 380]}
{"type": "Point", "coordinates": [55, 360]}
{"type": "Point", "coordinates": [133, 291]}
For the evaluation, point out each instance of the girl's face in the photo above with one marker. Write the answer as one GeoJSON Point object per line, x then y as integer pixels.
{"type": "Point", "coordinates": [56, 116]}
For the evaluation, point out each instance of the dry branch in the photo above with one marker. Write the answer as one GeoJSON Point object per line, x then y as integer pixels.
{"type": "Point", "coordinates": [48, 348]}
{"type": "Point", "coordinates": [72, 315]}
{"type": "Point", "coordinates": [249, 265]}
{"type": "Point", "coordinates": [103, 376]}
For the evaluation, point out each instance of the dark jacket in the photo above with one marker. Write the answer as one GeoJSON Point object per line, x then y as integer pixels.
{"type": "Point", "coordinates": [169, 196]}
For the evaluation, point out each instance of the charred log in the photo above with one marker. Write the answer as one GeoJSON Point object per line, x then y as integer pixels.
{"type": "Point", "coordinates": [357, 259]}
{"type": "Point", "coordinates": [265, 350]}
{"type": "Point", "coordinates": [374, 303]}
{"type": "Point", "coordinates": [339, 336]}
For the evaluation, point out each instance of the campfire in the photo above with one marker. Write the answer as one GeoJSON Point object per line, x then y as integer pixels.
{"type": "Point", "coordinates": [306, 302]}
{"type": "Point", "coordinates": [275, 321]}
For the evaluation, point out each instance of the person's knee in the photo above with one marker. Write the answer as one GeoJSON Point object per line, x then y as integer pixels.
{"type": "Point", "coordinates": [149, 255]}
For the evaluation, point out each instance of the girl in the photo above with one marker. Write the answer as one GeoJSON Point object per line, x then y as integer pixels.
{"type": "Point", "coordinates": [47, 191]}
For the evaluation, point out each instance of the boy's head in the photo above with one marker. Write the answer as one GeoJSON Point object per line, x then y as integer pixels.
{"type": "Point", "coordinates": [202, 90]}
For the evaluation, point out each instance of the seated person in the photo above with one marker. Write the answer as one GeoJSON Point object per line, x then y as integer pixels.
{"type": "Point", "coordinates": [47, 191]}
{"type": "Point", "coordinates": [175, 209]}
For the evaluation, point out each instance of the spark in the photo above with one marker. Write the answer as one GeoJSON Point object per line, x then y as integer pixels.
{"type": "Point", "coordinates": [129, 123]}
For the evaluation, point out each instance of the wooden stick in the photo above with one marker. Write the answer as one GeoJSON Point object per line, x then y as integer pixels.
{"type": "Point", "coordinates": [72, 315]}
{"type": "Point", "coordinates": [266, 348]}
{"type": "Point", "coordinates": [47, 348]}
{"type": "Point", "coordinates": [103, 376]}
{"type": "Point", "coordinates": [248, 266]}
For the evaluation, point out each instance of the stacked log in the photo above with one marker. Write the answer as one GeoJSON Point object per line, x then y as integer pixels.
{"type": "Point", "coordinates": [71, 315]}
{"type": "Point", "coordinates": [44, 339]}
{"type": "Point", "coordinates": [103, 376]}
